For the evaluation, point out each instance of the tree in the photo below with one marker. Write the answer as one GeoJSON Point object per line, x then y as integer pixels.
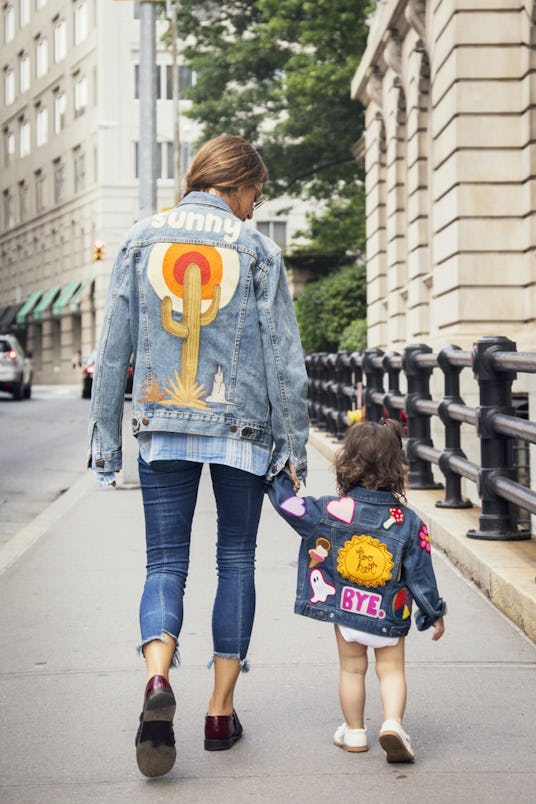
{"type": "Point", "coordinates": [329, 310]}
{"type": "Point", "coordinates": [278, 72]}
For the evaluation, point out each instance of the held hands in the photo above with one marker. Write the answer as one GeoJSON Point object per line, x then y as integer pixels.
{"type": "Point", "coordinates": [291, 471]}
{"type": "Point", "coordinates": [439, 629]}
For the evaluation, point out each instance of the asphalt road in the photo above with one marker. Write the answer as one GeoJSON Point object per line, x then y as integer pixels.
{"type": "Point", "coordinates": [42, 451]}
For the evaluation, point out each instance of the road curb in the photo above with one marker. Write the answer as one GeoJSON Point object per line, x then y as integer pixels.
{"type": "Point", "coordinates": [27, 536]}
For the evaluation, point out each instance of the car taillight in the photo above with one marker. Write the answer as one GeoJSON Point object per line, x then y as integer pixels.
{"type": "Point", "coordinates": [11, 355]}
{"type": "Point", "coordinates": [90, 369]}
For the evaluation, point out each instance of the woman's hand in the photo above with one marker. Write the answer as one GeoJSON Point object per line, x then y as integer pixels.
{"type": "Point", "coordinates": [289, 468]}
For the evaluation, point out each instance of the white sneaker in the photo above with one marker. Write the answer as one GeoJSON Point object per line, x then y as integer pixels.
{"type": "Point", "coordinates": [351, 739]}
{"type": "Point", "coordinates": [395, 742]}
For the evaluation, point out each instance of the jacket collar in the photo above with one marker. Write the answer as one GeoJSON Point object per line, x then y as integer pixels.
{"type": "Point", "coordinates": [207, 200]}
{"type": "Point", "coordinates": [378, 497]}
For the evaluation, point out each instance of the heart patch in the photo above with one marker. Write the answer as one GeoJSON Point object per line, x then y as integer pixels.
{"type": "Point", "coordinates": [295, 506]}
{"type": "Point", "coordinates": [342, 509]}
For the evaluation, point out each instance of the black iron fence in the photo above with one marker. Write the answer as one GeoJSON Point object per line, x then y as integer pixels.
{"type": "Point", "coordinates": [346, 387]}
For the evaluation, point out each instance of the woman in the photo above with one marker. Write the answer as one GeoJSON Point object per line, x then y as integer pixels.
{"type": "Point", "coordinates": [201, 301]}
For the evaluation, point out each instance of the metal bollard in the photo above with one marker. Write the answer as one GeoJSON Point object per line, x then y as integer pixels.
{"type": "Point", "coordinates": [498, 518]}
{"type": "Point", "coordinates": [420, 474]}
{"type": "Point", "coordinates": [453, 494]}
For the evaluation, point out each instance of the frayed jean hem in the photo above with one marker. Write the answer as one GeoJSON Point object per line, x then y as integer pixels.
{"type": "Point", "coordinates": [244, 664]}
{"type": "Point", "coordinates": [163, 637]}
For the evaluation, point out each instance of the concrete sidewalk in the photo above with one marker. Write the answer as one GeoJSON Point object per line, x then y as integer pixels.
{"type": "Point", "coordinates": [72, 684]}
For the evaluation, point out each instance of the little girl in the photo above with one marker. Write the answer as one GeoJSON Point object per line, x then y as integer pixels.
{"type": "Point", "coordinates": [364, 557]}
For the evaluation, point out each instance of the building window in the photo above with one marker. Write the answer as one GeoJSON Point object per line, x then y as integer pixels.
{"type": "Point", "coordinates": [158, 76]}
{"type": "Point", "coordinates": [24, 72]}
{"type": "Point", "coordinates": [164, 160]}
{"type": "Point", "coordinates": [186, 79]}
{"type": "Point", "coordinates": [23, 201]}
{"type": "Point", "coordinates": [79, 170]}
{"type": "Point", "coordinates": [9, 147]}
{"type": "Point", "coordinates": [60, 41]}
{"type": "Point", "coordinates": [59, 181]}
{"type": "Point", "coordinates": [9, 24]}
{"type": "Point", "coordinates": [24, 138]}
{"type": "Point", "coordinates": [24, 12]}
{"type": "Point", "coordinates": [9, 87]}
{"type": "Point", "coordinates": [60, 106]}
{"type": "Point", "coordinates": [277, 230]}
{"type": "Point", "coordinates": [80, 97]}
{"type": "Point", "coordinates": [41, 58]}
{"type": "Point", "coordinates": [80, 22]}
{"type": "Point", "coordinates": [8, 210]}
{"type": "Point", "coordinates": [39, 191]}
{"type": "Point", "coordinates": [42, 125]}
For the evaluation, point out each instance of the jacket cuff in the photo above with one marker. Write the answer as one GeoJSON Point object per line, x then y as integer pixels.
{"type": "Point", "coordinates": [424, 620]}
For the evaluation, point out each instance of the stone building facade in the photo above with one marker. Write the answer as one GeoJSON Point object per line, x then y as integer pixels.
{"type": "Point", "coordinates": [449, 88]}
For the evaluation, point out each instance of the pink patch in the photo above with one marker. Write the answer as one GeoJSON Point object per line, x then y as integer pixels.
{"type": "Point", "coordinates": [294, 506]}
{"type": "Point", "coordinates": [342, 509]}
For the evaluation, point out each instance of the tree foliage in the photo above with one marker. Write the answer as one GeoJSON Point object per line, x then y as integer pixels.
{"type": "Point", "coordinates": [278, 72]}
{"type": "Point", "coordinates": [328, 311]}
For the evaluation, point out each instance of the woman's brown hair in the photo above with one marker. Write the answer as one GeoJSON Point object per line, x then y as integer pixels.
{"type": "Point", "coordinates": [227, 163]}
{"type": "Point", "coordinates": [372, 457]}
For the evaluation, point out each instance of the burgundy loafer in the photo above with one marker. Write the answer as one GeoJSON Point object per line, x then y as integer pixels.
{"type": "Point", "coordinates": [222, 731]}
{"type": "Point", "coordinates": [155, 740]}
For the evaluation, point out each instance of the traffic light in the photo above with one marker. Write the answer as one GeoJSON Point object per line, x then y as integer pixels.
{"type": "Point", "coordinates": [98, 251]}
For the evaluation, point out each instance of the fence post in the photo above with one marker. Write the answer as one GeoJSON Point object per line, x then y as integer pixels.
{"type": "Point", "coordinates": [374, 383]}
{"type": "Point", "coordinates": [453, 494]}
{"type": "Point", "coordinates": [498, 518]}
{"type": "Point", "coordinates": [393, 384]}
{"type": "Point", "coordinates": [418, 379]}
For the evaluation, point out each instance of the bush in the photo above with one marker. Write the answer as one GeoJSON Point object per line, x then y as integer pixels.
{"type": "Point", "coordinates": [354, 337]}
{"type": "Point", "coordinates": [327, 307]}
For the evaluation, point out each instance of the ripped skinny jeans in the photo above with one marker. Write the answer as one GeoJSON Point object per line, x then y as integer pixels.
{"type": "Point", "coordinates": [169, 491]}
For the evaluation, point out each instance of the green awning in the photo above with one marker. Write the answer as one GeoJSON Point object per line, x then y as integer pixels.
{"type": "Point", "coordinates": [46, 301]}
{"type": "Point", "coordinates": [64, 296]}
{"type": "Point", "coordinates": [28, 306]}
{"type": "Point", "coordinates": [74, 304]}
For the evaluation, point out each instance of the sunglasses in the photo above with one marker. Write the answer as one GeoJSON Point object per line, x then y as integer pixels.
{"type": "Point", "coordinates": [259, 201]}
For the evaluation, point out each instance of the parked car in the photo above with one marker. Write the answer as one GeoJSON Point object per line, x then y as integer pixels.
{"type": "Point", "coordinates": [15, 368]}
{"type": "Point", "coordinates": [88, 370]}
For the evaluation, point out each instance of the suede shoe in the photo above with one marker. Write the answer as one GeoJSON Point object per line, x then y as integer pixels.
{"type": "Point", "coordinates": [155, 740]}
{"type": "Point", "coordinates": [351, 739]}
{"type": "Point", "coordinates": [395, 742]}
{"type": "Point", "coordinates": [222, 731]}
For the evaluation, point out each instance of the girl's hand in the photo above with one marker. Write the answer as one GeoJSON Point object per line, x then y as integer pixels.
{"type": "Point", "coordinates": [289, 467]}
{"type": "Point", "coordinates": [439, 629]}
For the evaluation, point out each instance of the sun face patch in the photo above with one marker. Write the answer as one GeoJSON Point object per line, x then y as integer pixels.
{"type": "Point", "coordinates": [364, 560]}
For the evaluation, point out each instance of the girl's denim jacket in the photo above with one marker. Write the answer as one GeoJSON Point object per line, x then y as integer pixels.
{"type": "Point", "coordinates": [363, 559]}
{"type": "Point", "coordinates": [201, 301]}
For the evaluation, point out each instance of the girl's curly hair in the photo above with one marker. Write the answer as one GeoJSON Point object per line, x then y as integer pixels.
{"type": "Point", "coordinates": [372, 457]}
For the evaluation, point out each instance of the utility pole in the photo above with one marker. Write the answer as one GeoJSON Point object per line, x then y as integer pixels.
{"type": "Point", "coordinates": [171, 11]}
{"type": "Point", "coordinates": [147, 82]}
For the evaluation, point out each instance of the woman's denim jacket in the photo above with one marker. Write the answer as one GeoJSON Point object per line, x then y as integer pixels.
{"type": "Point", "coordinates": [201, 301]}
{"type": "Point", "coordinates": [363, 559]}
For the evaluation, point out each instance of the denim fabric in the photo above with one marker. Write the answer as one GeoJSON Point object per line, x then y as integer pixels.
{"type": "Point", "coordinates": [170, 490]}
{"type": "Point", "coordinates": [201, 300]}
{"type": "Point", "coordinates": [363, 559]}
